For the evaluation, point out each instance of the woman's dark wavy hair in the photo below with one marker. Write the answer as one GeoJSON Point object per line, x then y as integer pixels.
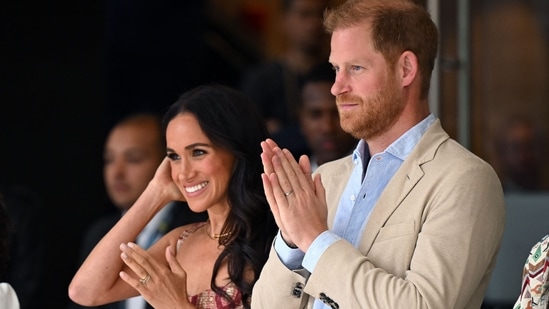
{"type": "Point", "coordinates": [231, 121]}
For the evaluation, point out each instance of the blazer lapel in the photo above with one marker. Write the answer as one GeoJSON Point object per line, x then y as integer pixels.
{"type": "Point", "coordinates": [405, 179]}
{"type": "Point", "coordinates": [392, 196]}
{"type": "Point", "coordinates": [336, 180]}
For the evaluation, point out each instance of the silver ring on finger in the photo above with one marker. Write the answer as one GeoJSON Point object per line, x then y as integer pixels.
{"type": "Point", "coordinates": [286, 194]}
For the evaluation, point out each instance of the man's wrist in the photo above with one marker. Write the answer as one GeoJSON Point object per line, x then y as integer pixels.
{"type": "Point", "coordinates": [290, 245]}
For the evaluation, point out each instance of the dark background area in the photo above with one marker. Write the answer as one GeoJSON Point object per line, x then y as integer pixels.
{"type": "Point", "coordinates": [52, 122]}
{"type": "Point", "coordinates": [69, 69]}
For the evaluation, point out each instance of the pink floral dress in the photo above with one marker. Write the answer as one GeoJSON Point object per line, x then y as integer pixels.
{"type": "Point", "coordinates": [208, 299]}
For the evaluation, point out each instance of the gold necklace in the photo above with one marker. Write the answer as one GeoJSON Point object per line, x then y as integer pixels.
{"type": "Point", "coordinates": [215, 236]}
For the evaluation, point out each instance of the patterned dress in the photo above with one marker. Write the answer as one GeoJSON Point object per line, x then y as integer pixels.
{"type": "Point", "coordinates": [535, 278]}
{"type": "Point", "coordinates": [208, 299]}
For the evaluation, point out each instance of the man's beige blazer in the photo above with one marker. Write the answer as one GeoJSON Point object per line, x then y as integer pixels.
{"type": "Point", "coordinates": [431, 240]}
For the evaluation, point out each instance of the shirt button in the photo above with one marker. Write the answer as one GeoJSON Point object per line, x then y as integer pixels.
{"type": "Point", "coordinates": [353, 197]}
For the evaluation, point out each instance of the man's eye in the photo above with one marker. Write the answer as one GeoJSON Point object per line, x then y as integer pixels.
{"type": "Point", "coordinates": [356, 68]}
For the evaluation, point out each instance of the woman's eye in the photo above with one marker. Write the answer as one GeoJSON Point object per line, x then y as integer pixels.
{"type": "Point", "coordinates": [198, 152]}
{"type": "Point", "coordinates": [173, 156]}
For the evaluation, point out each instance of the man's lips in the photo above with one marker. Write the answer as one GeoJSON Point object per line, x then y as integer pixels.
{"type": "Point", "coordinates": [346, 106]}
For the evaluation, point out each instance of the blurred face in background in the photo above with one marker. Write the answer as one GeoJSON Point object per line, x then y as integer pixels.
{"type": "Point", "coordinates": [133, 151]}
{"type": "Point", "coordinates": [521, 151]}
{"type": "Point", "coordinates": [319, 120]}
{"type": "Point", "coordinates": [303, 24]}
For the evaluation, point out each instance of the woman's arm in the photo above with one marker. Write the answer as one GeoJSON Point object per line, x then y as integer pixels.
{"type": "Point", "coordinates": [97, 280]}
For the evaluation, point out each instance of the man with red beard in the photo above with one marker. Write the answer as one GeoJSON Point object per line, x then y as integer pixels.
{"type": "Point", "coordinates": [411, 219]}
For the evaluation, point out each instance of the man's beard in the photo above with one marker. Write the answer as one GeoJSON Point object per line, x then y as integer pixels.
{"type": "Point", "coordinates": [376, 116]}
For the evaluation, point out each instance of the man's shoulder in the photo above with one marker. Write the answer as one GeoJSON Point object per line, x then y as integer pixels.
{"type": "Point", "coordinates": [449, 157]}
{"type": "Point", "coordinates": [452, 151]}
{"type": "Point", "coordinates": [437, 145]}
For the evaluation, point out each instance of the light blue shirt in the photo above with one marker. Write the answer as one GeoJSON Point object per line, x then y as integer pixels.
{"type": "Point", "coordinates": [358, 199]}
{"type": "Point", "coordinates": [152, 232]}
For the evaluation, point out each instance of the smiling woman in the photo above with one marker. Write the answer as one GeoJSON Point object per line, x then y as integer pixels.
{"type": "Point", "coordinates": [213, 137]}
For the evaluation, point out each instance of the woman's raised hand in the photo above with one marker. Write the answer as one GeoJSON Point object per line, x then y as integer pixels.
{"type": "Point", "coordinates": [163, 181]}
{"type": "Point", "coordinates": [161, 286]}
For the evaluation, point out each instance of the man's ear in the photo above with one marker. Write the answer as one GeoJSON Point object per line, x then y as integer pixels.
{"type": "Point", "coordinates": [408, 66]}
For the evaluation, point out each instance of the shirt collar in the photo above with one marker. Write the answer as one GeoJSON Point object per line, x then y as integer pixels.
{"type": "Point", "coordinates": [403, 146]}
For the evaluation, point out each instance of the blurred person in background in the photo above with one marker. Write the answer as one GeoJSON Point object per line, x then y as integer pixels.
{"type": "Point", "coordinates": [318, 134]}
{"type": "Point", "coordinates": [275, 85]}
{"type": "Point", "coordinates": [521, 149]}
